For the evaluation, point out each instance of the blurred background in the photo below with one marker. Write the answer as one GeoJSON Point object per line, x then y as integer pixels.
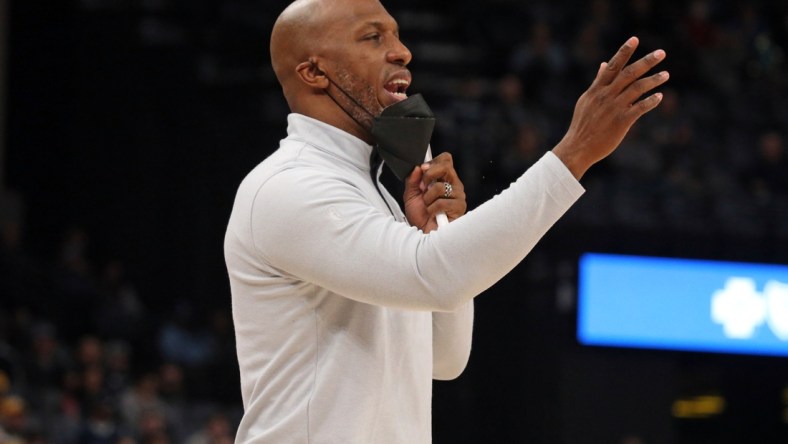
{"type": "Point", "coordinates": [126, 126]}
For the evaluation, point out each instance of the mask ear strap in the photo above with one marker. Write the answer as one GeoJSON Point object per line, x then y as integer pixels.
{"type": "Point", "coordinates": [345, 93]}
{"type": "Point", "coordinates": [356, 102]}
{"type": "Point", "coordinates": [361, 124]}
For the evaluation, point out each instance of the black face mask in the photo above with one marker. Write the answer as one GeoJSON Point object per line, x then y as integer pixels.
{"type": "Point", "coordinates": [402, 134]}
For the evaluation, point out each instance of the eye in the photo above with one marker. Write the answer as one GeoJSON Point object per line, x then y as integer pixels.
{"type": "Point", "coordinates": [375, 37]}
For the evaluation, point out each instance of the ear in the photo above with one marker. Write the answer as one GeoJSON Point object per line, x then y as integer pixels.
{"type": "Point", "coordinates": [312, 75]}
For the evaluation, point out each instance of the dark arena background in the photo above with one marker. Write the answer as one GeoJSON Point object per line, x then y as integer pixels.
{"type": "Point", "coordinates": [126, 126]}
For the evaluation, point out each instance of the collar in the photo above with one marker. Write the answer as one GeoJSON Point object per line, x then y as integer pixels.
{"type": "Point", "coordinates": [329, 139]}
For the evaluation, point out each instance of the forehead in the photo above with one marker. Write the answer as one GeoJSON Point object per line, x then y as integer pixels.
{"type": "Point", "coordinates": [352, 14]}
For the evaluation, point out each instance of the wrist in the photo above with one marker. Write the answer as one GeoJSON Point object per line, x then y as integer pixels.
{"type": "Point", "coordinates": [572, 158]}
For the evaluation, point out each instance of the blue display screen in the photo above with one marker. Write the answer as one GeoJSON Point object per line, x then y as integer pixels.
{"type": "Point", "coordinates": [682, 304]}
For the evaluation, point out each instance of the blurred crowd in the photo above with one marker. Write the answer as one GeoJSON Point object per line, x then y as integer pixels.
{"type": "Point", "coordinates": [711, 159]}
{"type": "Point", "coordinates": [83, 359]}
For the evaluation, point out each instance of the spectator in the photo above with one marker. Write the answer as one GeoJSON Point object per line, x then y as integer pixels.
{"type": "Point", "coordinates": [152, 428]}
{"type": "Point", "coordinates": [100, 427]}
{"type": "Point", "coordinates": [47, 362]}
{"type": "Point", "coordinates": [461, 127]}
{"type": "Point", "coordinates": [185, 340]}
{"type": "Point", "coordinates": [540, 61]}
{"type": "Point", "coordinates": [118, 356]}
{"type": "Point", "coordinates": [529, 144]}
{"type": "Point", "coordinates": [768, 179]}
{"type": "Point", "coordinates": [120, 312]}
{"type": "Point", "coordinates": [14, 420]}
{"type": "Point", "coordinates": [216, 431]}
{"type": "Point", "coordinates": [76, 286]}
{"type": "Point", "coordinates": [93, 391]}
{"type": "Point", "coordinates": [172, 390]}
{"type": "Point", "coordinates": [64, 424]}
{"type": "Point", "coordinates": [90, 352]}
{"type": "Point", "coordinates": [142, 399]}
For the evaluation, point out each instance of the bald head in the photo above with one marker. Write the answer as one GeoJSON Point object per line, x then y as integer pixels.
{"type": "Point", "coordinates": [333, 59]}
{"type": "Point", "coordinates": [294, 36]}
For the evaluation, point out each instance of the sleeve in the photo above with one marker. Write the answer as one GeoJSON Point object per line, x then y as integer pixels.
{"type": "Point", "coordinates": [320, 228]}
{"type": "Point", "coordinates": [451, 342]}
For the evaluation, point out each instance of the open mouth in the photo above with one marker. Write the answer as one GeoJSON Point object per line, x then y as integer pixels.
{"type": "Point", "coordinates": [397, 89]}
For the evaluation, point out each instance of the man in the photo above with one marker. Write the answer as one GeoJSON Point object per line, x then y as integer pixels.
{"type": "Point", "coordinates": [346, 308]}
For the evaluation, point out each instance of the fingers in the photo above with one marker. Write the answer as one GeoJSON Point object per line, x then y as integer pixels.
{"type": "Point", "coordinates": [415, 177]}
{"type": "Point", "coordinates": [642, 86]}
{"type": "Point", "coordinates": [441, 168]}
{"type": "Point", "coordinates": [618, 74]}
{"type": "Point", "coordinates": [437, 173]}
{"type": "Point", "coordinates": [633, 72]}
{"type": "Point", "coordinates": [437, 191]}
{"type": "Point", "coordinates": [453, 208]}
{"type": "Point", "coordinates": [413, 184]}
{"type": "Point", "coordinates": [610, 70]}
{"type": "Point", "coordinates": [644, 106]}
{"type": "Point", "coordinates": [625, 82]}
{"type": "Point", "coordinates": [605, 112]}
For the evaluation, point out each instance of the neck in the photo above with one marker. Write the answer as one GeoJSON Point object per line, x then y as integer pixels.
{"type": "Point", "coordinates": [340, 120]}
{"type": "Point", "coordinates": [331, 113]}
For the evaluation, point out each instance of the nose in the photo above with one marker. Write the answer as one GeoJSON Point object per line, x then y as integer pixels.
{"type": "Point", "coordinates": [399, 54]}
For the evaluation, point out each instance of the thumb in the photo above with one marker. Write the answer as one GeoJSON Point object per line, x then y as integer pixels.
{"type": "Point", "coordinates": [413, 182]}
{"type": "Point", "coordinates": [415, 178]}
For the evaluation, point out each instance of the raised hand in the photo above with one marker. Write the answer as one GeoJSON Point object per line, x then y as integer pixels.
{"type": "Point", "coordinates": [608, 109]}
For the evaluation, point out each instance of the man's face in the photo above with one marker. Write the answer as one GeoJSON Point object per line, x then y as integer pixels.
{"type": "Point", "coordinates": [366, 58]}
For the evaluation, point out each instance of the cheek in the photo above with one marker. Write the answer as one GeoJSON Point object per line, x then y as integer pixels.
{"type": "Point", "coordinates": [370, 85]}
{"type": "Point", "coordinates": [370, 75]}
{"type": "Point", "coordinates": [368, 67]}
